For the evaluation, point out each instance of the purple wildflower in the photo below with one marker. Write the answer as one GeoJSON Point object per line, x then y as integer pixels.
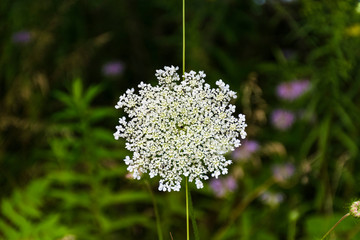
{"type": "Point", "coordinates": [217, 187]}
{"type": "Point", "coordinates": [223, 186]}
{"type": "Point", "coordinates": [283, 172]}
{"type": "Point", "coordinates": [113, 69]}
{"type": "Point", "coordinates": [230, 183]}
{"type": "Point", "coordinates": [292, 90]}
{"type": "Point", "coordinates": [21, 37]}
{"type": "Point", "coordinates": [282, 119]}
{"type": "Point", "coordinates": [245, 150]}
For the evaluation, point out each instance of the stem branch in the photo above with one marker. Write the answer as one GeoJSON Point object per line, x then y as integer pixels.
{"type": "Point", "coordinates": [345, 216]}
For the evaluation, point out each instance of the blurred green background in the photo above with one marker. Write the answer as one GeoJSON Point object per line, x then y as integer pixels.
{"type": "Point", "coordinates": [64, 63]}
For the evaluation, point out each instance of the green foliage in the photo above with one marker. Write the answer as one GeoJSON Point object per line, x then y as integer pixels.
{"type": "Point", "coordinates": [87, 202]}
{"type": "Point", "coordinates": [88, 199]}
{"type": "Point", "coordinates": [95, 208]}
{"type": "Point", "coordinates": [91, 195]}
{"type": "Point", "coordinates": [76, 134]}
{"type": "Point", "coordinates": [23, 218]}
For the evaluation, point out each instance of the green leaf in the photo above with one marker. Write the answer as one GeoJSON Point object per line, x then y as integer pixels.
{"type": "Point", "coordinates": [128, 221]}
{"type": "Point", "coordinates": [18, 220]}
{"type": "Point", "coordinates": [9, 232]}
{"type": "Point", "coordinates": [324, 136]}
{"type": "Point", "coordinates": [346, 140]}
{"type": "Point", "coordinates": [344, 117]}
{"type": "Point", "coordinates": [91, 93]}
{"type": "Point", "coordinates": [52, 222]}
{"type": "Point", "coordinates": [66, 114]}
{"type": "Point", "coordinates": [26, 205]}
{"type": "Point", "coordinates": [101, 113]}
{"type": "Point", "coordinates": [77, 88]}
{"type": "Point", "coordinates": [64, 98]}
{"type": "Point", "coordinates": [72, 199]}
{"type": "Point", "coordinates": [68, 177]}
{"type": "Point", "coordinates": [124, 197]}
{"type": "Point", "coordinates": [103, 135]}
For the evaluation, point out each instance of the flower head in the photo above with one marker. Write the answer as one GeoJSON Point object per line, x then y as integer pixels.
{"type": "Point", "coordinates": [113, 69]}
{"type": "Point", "coordinates": [282, 119]}
{"type": "Point", "coordinates": [292, 90]}
{"type": "Point", "coordinates": [355, 209]}
{"type": "Point", "coordinates": [179, 128]}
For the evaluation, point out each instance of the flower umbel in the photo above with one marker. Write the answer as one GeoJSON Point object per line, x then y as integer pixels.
{"type": "Point", "coordinates": [179, 128]}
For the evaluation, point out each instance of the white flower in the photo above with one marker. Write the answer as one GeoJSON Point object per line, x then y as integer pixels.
{"type": "Point", "coordinates": [179, 128]}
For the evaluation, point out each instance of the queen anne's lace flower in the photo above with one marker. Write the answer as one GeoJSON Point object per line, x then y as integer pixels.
{"type": "Point", "coordinates": [179, 128]}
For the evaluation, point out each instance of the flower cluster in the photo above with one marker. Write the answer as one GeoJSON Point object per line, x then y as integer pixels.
{"type": "Point", "coordinates": [355, 209]}
{"type": "Point", "coordinates": [179, 128]}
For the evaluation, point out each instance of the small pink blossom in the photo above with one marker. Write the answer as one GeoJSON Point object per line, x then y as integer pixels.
{"type": "Point", "coordinates": [355, 209]}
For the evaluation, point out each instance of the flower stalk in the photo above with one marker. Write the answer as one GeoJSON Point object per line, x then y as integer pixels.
{"type": "Point", "coordinates": [333, 227]}
{"type": "Point", "coordinates": [183, 63]}
{"type": "Point", "coordinates": [187, 210]}
{"type": "Point", "coordinates": [353, 211]}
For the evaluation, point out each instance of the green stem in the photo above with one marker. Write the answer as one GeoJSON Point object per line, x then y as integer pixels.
{"type": "Point", "coordinates": [183, 69]}
{"type": "Point", "coordinates": [183, 35]}
{"type": "Point", "coordinates": [157, 216]}
{"type": "Point", "coordinates": [193, 219]}
{"type": "Point", "coordinates": [345, 216]}
{"type": "Point", "coordinates": [187, 210]}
